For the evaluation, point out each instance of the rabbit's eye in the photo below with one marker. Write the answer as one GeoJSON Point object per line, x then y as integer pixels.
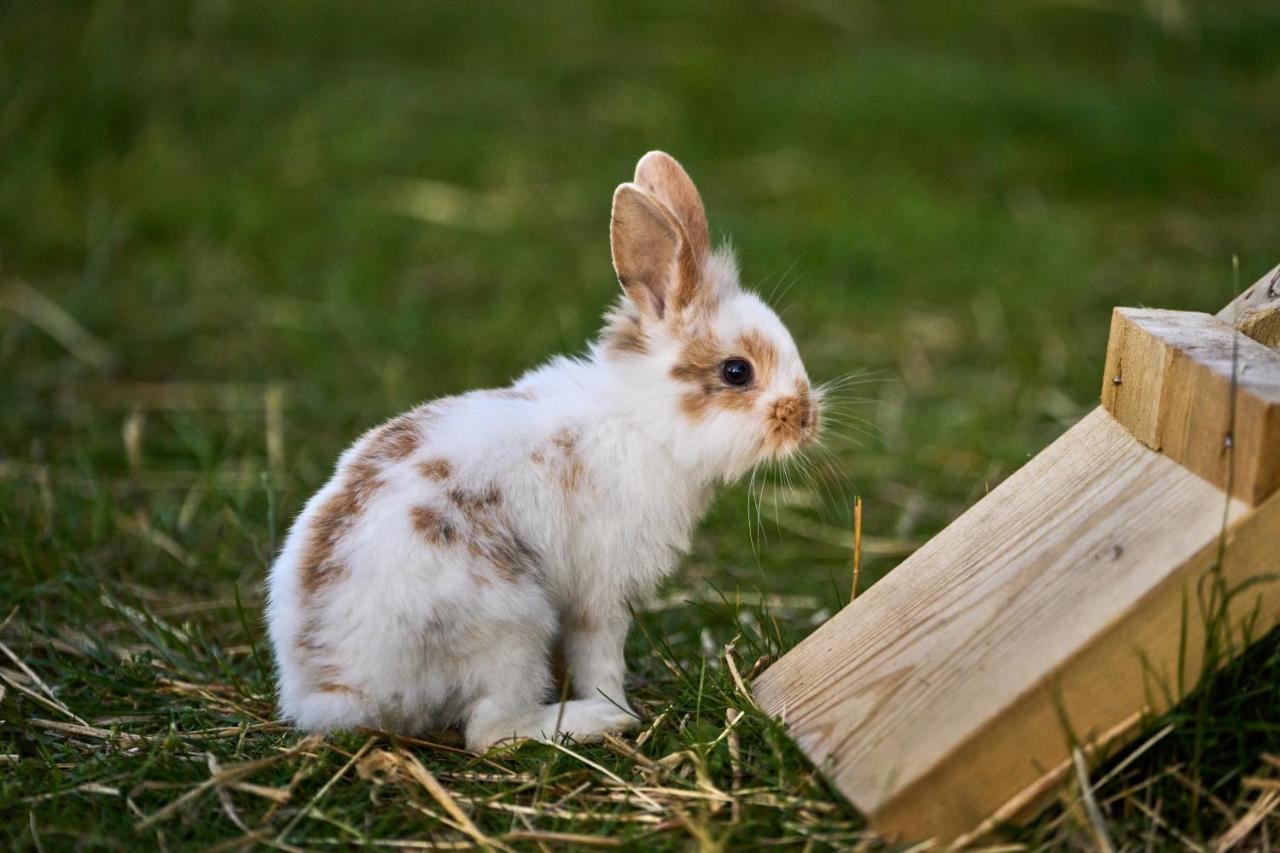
{"type": "Point", "coordinates": [736, 371]}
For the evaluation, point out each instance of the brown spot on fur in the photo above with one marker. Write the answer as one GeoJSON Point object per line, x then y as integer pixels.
{"type": "Point", "coordinates": [327, 672]}
{"type": "Point", "coordinates": [307, 641]}
{"type": "Point", "coordinates": [510, 555]}
{"type": "Point", "coordinates": [570, 464]}
{"type": "Point", "coordinates": [487, 535]}
{"type": "Point", "coordinates": [309, 644]}
{"type": "Point", "coordinates": [432, 526]}
{"type": "Point", "coordinates": [571, 475]}
{"type": "Point", "coordinates": [538, 457]}
{"type": "Point", "coordinates": [699, 358]}
{"type": "Point", "coordinates": [624, 332]}
{"type": "Point", "coordinates": [565, 440]}
{"type": "Point", "coordinates": [435, 469]}
{"type": "Point", "coordinates": [333, 687]}
{"type": "Point", "coordinates": [761, 354]}
{"type": "Point", "coordinates": [362, 481]}
{"type": "Point", "coordinates": [324, 677]}
{"type": "Point", "coordinates": [699, 365]}
{"type": "Point", "coordinates": [473, 504]}
{"type": "Point", "coordinates": [331, 521]}
{"type": "Point", "coordinates": [395, 439]}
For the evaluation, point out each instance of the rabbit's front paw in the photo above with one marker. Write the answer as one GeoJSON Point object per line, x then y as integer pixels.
{"type": "Point", "coordinates": [587, 720]}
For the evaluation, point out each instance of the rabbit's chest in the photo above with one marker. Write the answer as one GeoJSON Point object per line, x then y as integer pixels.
{"type": "Point", "coordinates": [635, 536]}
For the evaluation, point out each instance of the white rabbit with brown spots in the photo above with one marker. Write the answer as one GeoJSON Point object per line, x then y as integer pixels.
{"type": "Point", "coordinates": [427, 582]}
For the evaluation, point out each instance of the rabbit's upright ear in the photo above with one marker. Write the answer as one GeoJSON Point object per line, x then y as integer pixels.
{"type": "Point", "coordinates": [646, 244]}
{"type": "Point", "coordinates": [659, 173]}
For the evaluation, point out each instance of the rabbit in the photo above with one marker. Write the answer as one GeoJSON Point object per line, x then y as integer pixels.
{"type": "Point", "coordinates": [428, 582]}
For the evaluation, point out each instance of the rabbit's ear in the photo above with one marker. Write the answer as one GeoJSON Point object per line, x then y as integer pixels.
{"type": "Point", "coordinates": [646, 244]}
{"type": "Point", "coordinates": [660, 174]}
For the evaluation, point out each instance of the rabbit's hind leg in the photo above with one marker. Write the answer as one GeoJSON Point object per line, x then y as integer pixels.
{"type": "Point", "coordinates": [332, 708]}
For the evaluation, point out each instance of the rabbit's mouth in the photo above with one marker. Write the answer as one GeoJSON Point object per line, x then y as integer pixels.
{"type": "Point", "coordinates": [793, 422]}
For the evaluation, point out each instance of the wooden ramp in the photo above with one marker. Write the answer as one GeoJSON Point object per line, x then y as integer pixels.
{"type": "Point", "coordinates": [1066, 603]}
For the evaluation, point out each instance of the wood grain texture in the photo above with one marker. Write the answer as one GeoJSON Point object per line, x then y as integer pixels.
{"type": "Point", "coordinates": [1168, 379]}
{"type": "Point", "coordinates": [1265, 291]}
{"type": "Point", "coordinates": [945, 693]}
{"type": "Point", "coordinates": [1262, 324]}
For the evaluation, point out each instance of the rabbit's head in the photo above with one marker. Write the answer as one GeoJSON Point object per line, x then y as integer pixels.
{"type": "Point", "coordinates": [709, 362]}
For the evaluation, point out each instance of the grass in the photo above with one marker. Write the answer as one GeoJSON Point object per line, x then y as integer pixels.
{"type": "Point", "coordinates": [233, 236]}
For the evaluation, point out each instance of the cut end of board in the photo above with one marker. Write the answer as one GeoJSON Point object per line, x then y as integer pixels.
{"type": "Point", "coordinates": [1194, 388]}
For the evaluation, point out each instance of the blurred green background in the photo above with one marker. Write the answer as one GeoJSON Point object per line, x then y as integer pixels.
{"type": "Point", "coordinates": [360, 206]}
{"type": "Point", "coordinates": [375, 205]}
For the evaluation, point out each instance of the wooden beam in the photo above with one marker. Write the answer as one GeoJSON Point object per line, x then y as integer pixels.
{"type": "Point", "coordinates": [951, 691]}
{"type": "Point", "coordinates": [1065, 605]}
{"type": "Point", "coordinates": [1169, 380]}
{"type": "Point", "coordinates": [1262, 324]}
{"type": "Point", "coordinates": [1261, 294]}
{"type": "Point", "coordinates": [1256, 310]}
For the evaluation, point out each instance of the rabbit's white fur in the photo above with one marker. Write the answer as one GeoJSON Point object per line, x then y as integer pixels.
{"type": "Point", "coordinates": [429, 581]}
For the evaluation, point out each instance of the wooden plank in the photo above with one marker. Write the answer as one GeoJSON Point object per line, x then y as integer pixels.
{"type": "Point", "coordinates": [1262, 293]}
{"type": "Point", "coordinates": [1262, 324]}
{"type": "Point", "coordinates": [945, 693]}
{"type": "Point", "coordinates": [1168, 379]}
{"type": "Point", "coordinates": [1138, 664]}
